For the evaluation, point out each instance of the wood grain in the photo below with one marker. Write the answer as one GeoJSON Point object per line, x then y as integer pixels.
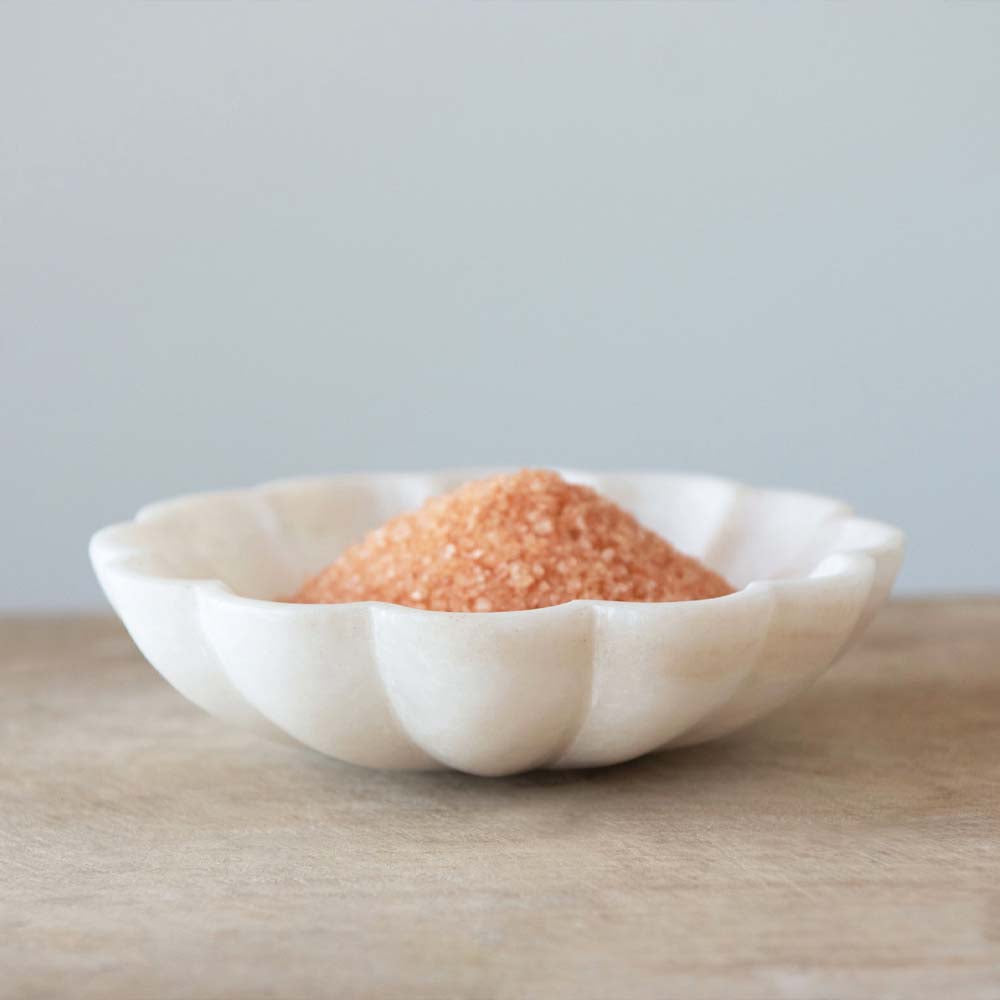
{"type": "Point", "coordinates": [847, 847]}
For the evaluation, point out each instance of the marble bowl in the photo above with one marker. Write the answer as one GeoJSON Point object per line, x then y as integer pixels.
{"type": "Point", "coordinates": [577, 685]}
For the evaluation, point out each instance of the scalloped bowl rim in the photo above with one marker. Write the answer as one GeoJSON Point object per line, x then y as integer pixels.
{"type": "Point", "coordinates": [155, 509]}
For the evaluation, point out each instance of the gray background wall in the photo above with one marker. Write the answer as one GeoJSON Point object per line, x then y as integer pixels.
{"type": "Point", "coordinates": [239, 242]}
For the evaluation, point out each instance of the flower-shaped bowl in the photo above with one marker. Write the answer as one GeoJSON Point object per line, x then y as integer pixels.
{"type": "Point", "coordinates": [197, 582]}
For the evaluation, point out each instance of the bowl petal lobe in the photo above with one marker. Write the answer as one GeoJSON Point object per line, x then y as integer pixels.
{"type": "Point", "coordinates": [660, 668]}
{"type": "Point", "coordinates": [312, 670]}
{"type": "Point", "coordinates": [162, 615]}
{"type": "Point", "coordinates": [490, 693]}
{"type": "Point", "coordinates": [810, 625]}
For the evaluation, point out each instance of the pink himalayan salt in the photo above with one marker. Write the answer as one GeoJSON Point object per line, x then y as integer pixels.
{"type": "Point", "coordinates": [508, 543]}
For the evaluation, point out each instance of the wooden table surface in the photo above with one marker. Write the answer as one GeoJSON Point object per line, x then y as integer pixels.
{"type": "Point", "coordinates": [849, 846]}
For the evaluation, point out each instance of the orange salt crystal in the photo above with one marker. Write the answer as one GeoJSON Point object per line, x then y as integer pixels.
{"type": "Point", "coordinates": [508, 543]}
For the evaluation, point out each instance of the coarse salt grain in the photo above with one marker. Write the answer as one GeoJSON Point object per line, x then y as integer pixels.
{"type": "Point", "coordinates": [513, 542]}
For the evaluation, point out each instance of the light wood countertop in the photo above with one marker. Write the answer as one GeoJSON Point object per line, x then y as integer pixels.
{"type": "Point", "coordinates": [849, 846]}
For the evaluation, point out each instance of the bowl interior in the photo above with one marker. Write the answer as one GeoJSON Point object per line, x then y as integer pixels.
{"type": "Point", "coordinates": [265, 542]}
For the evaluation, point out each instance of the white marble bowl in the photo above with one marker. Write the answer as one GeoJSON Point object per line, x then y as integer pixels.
{"type": "Point", "coordinates": [577, 685]}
